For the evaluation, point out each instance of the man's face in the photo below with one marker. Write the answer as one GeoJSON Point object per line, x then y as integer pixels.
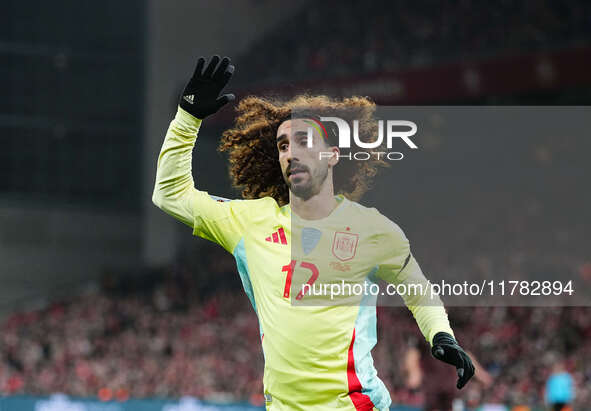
{"type": "Point", "coordinates": [303, 169]}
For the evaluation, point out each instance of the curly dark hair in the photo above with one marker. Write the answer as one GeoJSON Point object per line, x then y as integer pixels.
{"type": "Point", "coordinates": [251, 144]}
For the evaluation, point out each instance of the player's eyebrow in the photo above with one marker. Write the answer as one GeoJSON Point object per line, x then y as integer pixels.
{"type": "Point", "coordinates": [296, 134]}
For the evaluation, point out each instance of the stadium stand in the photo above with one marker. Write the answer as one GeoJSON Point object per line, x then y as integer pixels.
{"type": "Point", "coordinates": [341, 38]}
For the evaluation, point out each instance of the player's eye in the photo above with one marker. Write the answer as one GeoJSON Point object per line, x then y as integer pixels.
{"type": "Point", "coordinates": [283, 146]}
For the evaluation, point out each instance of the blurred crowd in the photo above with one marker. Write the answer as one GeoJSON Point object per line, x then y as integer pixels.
{"type": "Point", "coordinates": [169, 340]}
{"type": "Point", "coordinates": [191, 330]}
{"type": "Point", "coordinates": [339, 38]}
{"type": "Point", "coordinates": [161, 343]}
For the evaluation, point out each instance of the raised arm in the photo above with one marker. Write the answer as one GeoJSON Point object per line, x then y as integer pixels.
{"type": "Point", "coordinates": [174, 190]}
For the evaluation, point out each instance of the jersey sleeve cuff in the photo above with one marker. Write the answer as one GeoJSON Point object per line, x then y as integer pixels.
{"type": "Point", "coordinates": [187, 120]}
{"type": "Point", "coordinates": [443, 330]}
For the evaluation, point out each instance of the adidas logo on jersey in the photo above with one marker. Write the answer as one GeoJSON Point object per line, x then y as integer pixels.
{"type": "Point", "coordinates": [277, 237]}
{"type": "Point", "coordinates": [189, 98]}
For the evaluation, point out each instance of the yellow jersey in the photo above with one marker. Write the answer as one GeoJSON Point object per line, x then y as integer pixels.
{"type": "Point", "coordinates": [317, 352]}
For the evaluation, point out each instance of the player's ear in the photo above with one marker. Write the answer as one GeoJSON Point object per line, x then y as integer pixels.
{"type": "Point", "coordinates": [334, 159]}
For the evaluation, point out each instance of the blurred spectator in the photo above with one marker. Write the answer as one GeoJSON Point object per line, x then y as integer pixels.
{"type": "Point", "coordinates": [560, 390]}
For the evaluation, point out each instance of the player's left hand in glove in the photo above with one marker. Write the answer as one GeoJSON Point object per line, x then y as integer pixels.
{"type": "Point", "coordinates": [201, 96]}
{"type": "Point", "coordinates": [445, 348]}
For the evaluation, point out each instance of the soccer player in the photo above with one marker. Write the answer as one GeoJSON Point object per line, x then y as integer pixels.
{"type": "Point", "coordinates": [291, 228]}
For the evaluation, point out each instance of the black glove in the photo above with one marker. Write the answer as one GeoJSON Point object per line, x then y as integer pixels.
{"type": "Point", "coordinates": [446, 349]}
{"type": "Point", "coordinates": [201, 96]}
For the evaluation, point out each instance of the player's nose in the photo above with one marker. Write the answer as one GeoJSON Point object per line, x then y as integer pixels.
{"type": "Point", "coordinates": [290, 154]}
{"type": "Point", "coordinates": [291, 162]}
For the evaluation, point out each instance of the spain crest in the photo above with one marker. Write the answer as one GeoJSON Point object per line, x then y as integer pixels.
{"type": "Point", "coordinates": [344, 245]}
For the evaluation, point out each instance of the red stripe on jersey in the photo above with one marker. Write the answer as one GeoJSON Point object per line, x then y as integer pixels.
{"type": "Point", "coordinates": [361, 401]}
{"type": "Point", "coordinates": [282, 236]}
{"type": "Point", "coordinates": [275, 237]}
{"type": "Point", "coordinates": [268, 239]}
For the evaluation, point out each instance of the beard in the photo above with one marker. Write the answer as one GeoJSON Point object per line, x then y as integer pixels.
{"type": "Point", "coordinates": [308, 189]}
